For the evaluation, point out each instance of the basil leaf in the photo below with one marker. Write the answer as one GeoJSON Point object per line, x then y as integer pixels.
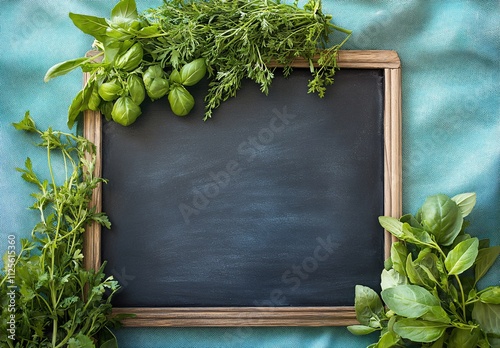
{"type": "Point", "coordinates": [388, 339]}
{"type": "Point", "coordinates": [415, 274]}
{"type": "Point", "coordinates": [124, 12]}
{"type": "Point", "coordinates": [392, 225]}
{"type": "Point", "coordinates": [391, 278]}
{"type": "Point", "coordinates": [419, 330]}
{"type": "Point", "coordinates": [442, 218]}
{"type": "Point", "coordinates": [367, 305]}
{"type": "Point", "coordinates": [111, 49]}
{"type": "Point", "coordinates": [181, 101]}
{"type": "Point", "coordinates": [360, 329]}
{"type": "Point", "coordinates": [487, 315]}
{"type": "Point", "coordinates": [411, 301]}
{"type": "Point", "coordinates": [464, 338]}
{"type": "Point", "coordinates": [75, 108]}
{"type": "Point", "coordinates": [465, 202]}
{"type": "Point", "coordinates": [485, 259]}
{"type": "Point", "coordinates": [462, 257]}
{"type": "Point", "coordinates": [95, 26]}
{"type": "Point", "coordinates": [490, 295]}
{"type": "Point", "coordinates": [64, 67]}
{"type": "Point", "coordinates": [399, 253]}
{"type": "Point", "coordinates": [437, 314]}
{"type": "Point", "coordinates": [193, 72]}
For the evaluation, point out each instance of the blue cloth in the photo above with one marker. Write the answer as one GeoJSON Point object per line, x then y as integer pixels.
{"type": "Point", "coordinates": [451, 125]}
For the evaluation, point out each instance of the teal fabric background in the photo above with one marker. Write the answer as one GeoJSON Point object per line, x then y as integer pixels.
{"type": "Point", "coordinates": [451, 121]}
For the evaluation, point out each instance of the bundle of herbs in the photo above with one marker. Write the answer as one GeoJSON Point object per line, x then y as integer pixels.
{"type": "Point", "coordinates": [429, 284]}
{"type": "Point", "coordinates": [166, 49]}
{"type": "Point", "coordinates": [47, 297]}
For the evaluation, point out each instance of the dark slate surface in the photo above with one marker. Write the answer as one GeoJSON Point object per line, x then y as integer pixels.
{"type": "Point", "coordinates": [273, 202]}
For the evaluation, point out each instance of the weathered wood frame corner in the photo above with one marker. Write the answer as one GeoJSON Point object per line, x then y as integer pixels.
{"type": "Point", "coordinates": [272, 316]}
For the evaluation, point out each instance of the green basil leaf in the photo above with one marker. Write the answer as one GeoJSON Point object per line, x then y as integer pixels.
{"type": "Point", "coordinates": [392, 225]}
{"type": "Point", "coordinates": [419, 330]}
{"type": "Point", "coordinates": [107, 339]}
{"type": "Point", "coordinates": [64, 68]}
{"type": "Point", "coordinates": [388, 339]}
{"type": "Point", "coordinates": [111, 49]}
{"type": "Point", "coordinates": [490, 295]}
{"type": "Point", "coordinates": [149, 31]}
{"type": "Point", "coordinates": [411, 301]}
{"type": "Point", "coordinates": [415, 274]}
{"type": "Point", "coordinates": [487, 315]}
{"type": "Point", "coordinates": [124, 12]}
{"type": "Point", "coordinates": [462, 257]}
{"type": "Point", "coordinates": [125, 111]}
{"type": "Point", "coordinates": [95, 26]}
{"type": "Point", "coordinates": [367, 305]}
{"type": "Point", "coordinates": [360, 329]}
{"type": "Point", "coordinates": [465, 202]}
{"type": "Point", "coordinates": [75, 108]}
{"type": "Point", "coordinates": [464, 338]}
{"type": "Point", "coordinates": [485, 259]}
{"type": "Point", "coordinates": [440, 342]}
{"type": "Point", "coordinates": [175, 76]}
{"type": "Point", "coordinates": [391, 278]}
{"type": "Point", "coordinates": [193, 72]}
{"type": "Point", "coordinates": [399, 253]}
{"type": "Point", "coordinates": [437, 314]}
{"type": "Point", "coordinates": [181, 101]}
{"type": "Point", "coordinates": [411, 220]}
{"type": "Point", "coordinates": [442, 218]}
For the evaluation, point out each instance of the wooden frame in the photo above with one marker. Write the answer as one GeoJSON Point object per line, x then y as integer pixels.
{"type": "Point", "coordinates": [272, 316]}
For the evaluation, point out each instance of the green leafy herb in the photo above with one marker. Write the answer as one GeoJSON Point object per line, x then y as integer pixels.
{"type": "Point", "coordinates": [427, 286]}
{"type": "Point", "coordinates": [231, 40]}
{"type": "Point", "coordinates": [57, 302]}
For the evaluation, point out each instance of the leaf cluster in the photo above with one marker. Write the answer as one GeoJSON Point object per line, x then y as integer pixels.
{"type": "Point", "coordinates": [429, 282]}
{"type": "Point", "coordinates": [58, 303]}
{"type": "Point", "coordinates": [232, 40]}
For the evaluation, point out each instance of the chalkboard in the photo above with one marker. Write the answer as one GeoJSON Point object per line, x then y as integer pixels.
{"type": "Point", "coordinates": [272, 205]}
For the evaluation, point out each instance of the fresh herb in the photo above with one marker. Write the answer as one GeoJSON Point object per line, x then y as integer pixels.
{"type": "Point", "coordinates": [58, 303]}
{"type": "Point", "coordinates": [169, 48]}
{"type": "Point", "coordinates": [429, 282]}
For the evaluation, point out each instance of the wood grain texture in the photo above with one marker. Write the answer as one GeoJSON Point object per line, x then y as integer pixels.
{"type": "Point", "coordinates": [92, 125]}
{"type": "Point", "coordinates": [238, 316]}
{"type": "Point", "coordinates": [273, 316]}
{"type": "Point", "coordinates": [359, 59]}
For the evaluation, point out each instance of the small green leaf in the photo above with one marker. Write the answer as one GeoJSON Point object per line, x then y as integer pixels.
{"type": "Point", "coordinates": [388, 339]}
{"type": "Point", "coordinates": [391, 278]}
{"type": "Point", "coordinates": [411, 301]}
{"type": "Point", "coordinates": [64, 67]}
{"type": "Point", "coordinates": [490, 295]}
{"type": "Point", "coordinates": [26, 124]}
{"type": "Point", "coordinates": [367, 305]}
{"type": "Point", "coordinates": [193, 72]}
{"type": "Point", "coordinates": [399, 253]}
{"type": "Point", "coordinates": [462, 257]}
{"type": "Point", "coordinates": [442, 218]}
{"type": "Point", "coordinates": [360, 329]}
{"type": "Point", "coordinates": [181, 101]}
{"type": "Point", "coordinates": [80, 341]}
{"type": "Point", "coordinates": [485, 259]}
{"type": "Point", "coordinates": [91, 25]}
{"type": "Point", "coordinates": [464, 338]}
{"type": "Point", "coordinates": [392, 225]}
{"type": "Point", "coordinates": [466, 202]}
{"type": "Point", "coordinates": [487, 315]}
{"type": "Point", "coordinates": [419, 330]}
{"type": "Point", "coordinates": [437, 314]}
{"type": "Point", "coordinates": [124, 12]}
{"type": "Point", "coordinates": [75, 108]}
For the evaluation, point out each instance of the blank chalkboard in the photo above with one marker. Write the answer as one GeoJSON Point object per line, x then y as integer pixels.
{"type": "Point", "coordinates": [267, 208]}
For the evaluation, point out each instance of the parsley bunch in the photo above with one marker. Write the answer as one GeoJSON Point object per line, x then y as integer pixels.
{"type": "Point", "coordinates": [55, 301]}
{"type": "Point", "coordinates": [240, 39]}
